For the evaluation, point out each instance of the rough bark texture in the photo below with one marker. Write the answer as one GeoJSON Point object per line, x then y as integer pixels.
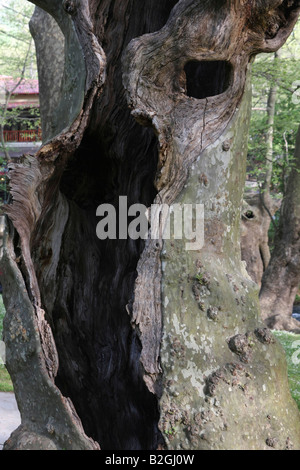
{"type": "Point", "coordinates": [255, 224]}
{"type": "Point", "coordinates": [155, 346]}
{"type": "Point", "coordinates": [223, 373]}
{"type": "Point", "coordinates": [281, 280]}
{"type": "Point", "coordinates": [50, 46]}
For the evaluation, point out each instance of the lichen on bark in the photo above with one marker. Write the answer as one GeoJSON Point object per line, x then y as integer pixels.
{"type": "Point", "coordinates": [220, 382]}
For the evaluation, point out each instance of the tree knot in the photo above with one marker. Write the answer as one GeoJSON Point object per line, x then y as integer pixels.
{"type": "Point", "coordinates": [69, 6]}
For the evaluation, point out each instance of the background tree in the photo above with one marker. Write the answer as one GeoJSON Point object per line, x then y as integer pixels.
{"type": "Point", "coordinates": [15, 39]}
{"type": "Point", "coordinates": [281, 280]}
{"type": "Point", "coordinates": [17, 62]}
{"type": "Point", "coordinates": [255, 230]}
{"type": "Point", "coordinates": [136, 344]}
{"type": "Point", "coordinates": [260, 205]}
{"type": "Point", "coordinates": [274, 128]}
{"type": "Point", "coordinates": [275, 118]}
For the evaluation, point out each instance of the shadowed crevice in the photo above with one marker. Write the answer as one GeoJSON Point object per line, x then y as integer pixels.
{"type": "Point", "coordinates": [207, 78]}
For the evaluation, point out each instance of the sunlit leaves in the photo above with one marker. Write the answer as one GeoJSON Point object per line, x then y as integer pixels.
{"type": "Point", "coordinates": [285, 73]}
{"type": "Point", "coordinates": [15, 38]}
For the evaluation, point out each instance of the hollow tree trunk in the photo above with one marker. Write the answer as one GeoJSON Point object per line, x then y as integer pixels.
{"type": "Point", "coordinates": [281, 280]}
{"type": "Point", "coordinates": [154, 345]}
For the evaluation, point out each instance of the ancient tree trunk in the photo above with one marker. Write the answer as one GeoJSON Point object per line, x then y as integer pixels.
{"type": "Point", "coordinates": [153, 345]}
{"type": "Point", "coordinates": [281, 280]}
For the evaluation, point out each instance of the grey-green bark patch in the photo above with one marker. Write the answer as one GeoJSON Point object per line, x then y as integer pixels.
{"type": "Point", "coordinates": [74, 76]}
{"type": "Point", "coordinates": [225, 387]}
{"type": "Point", "coordinates": [5, 380]}
{"type": "Point", "coordinates": [291, 345]}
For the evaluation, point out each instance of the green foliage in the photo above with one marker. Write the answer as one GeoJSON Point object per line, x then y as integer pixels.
{"type": "Point", "coordinates": [291, 345]}
{"type": "Point", "coordinates": [2, 313]}
{"type": "Point", "coordinates": [285, 73]}
{"type": "Point", "coordinates": [272, 230]}
{"type": "Point", "coordinates": [17, 60]}
{"type": "Point", "coordinates": [170, 432]}
{"type": "Point", "coordinates": [199, 278]}
{"type": "Point", "coordinates": [15, 39]}
{"type": "Point", "coordinates": [3, 188]}
{"type": "Point", "coordinates": [28, 117]}
{"type": "Point", "coordinates": [5, 381]}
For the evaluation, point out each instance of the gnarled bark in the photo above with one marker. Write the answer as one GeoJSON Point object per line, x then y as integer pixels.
{"type": "Point", "coordinates": [153, 345]}
{"type": "Point", "coordinates": [281, 280]}
{"type": "Point", "coordinates": [255, 224]}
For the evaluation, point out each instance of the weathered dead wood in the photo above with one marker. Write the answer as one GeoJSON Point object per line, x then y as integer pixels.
{"type": "Point", "coordinates": [113, 306]}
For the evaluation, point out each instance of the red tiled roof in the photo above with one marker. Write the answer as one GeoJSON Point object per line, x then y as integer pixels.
{"type": "Point", "coordinates": [26, 87]}
{"type": "Point", "coordinates": [28, 104]}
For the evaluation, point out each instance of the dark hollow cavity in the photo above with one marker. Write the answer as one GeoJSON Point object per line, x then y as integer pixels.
{"type": "Point", "coordinates": [249, 215]}
{"type": "Point", "coordinates": [207, 78]}
{"type": "Point", "coordinates": [89, 303]}
{"type": "Point", "coordinates": [99, 350]}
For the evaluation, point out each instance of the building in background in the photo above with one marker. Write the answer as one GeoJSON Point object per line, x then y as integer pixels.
{"type": "Point", "coordinates": [19, 123]}
{"type": "Point", "coordinates": [19, 103]}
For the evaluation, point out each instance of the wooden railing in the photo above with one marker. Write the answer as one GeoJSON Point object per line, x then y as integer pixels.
{"type": "Point", "coordinates": [23, 136]}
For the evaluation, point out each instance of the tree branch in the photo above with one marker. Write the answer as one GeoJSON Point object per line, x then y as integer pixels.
{"type": "Point", "coordinates": [14, 37]}
{"type": "Point", "coordinates": [15, 11]}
